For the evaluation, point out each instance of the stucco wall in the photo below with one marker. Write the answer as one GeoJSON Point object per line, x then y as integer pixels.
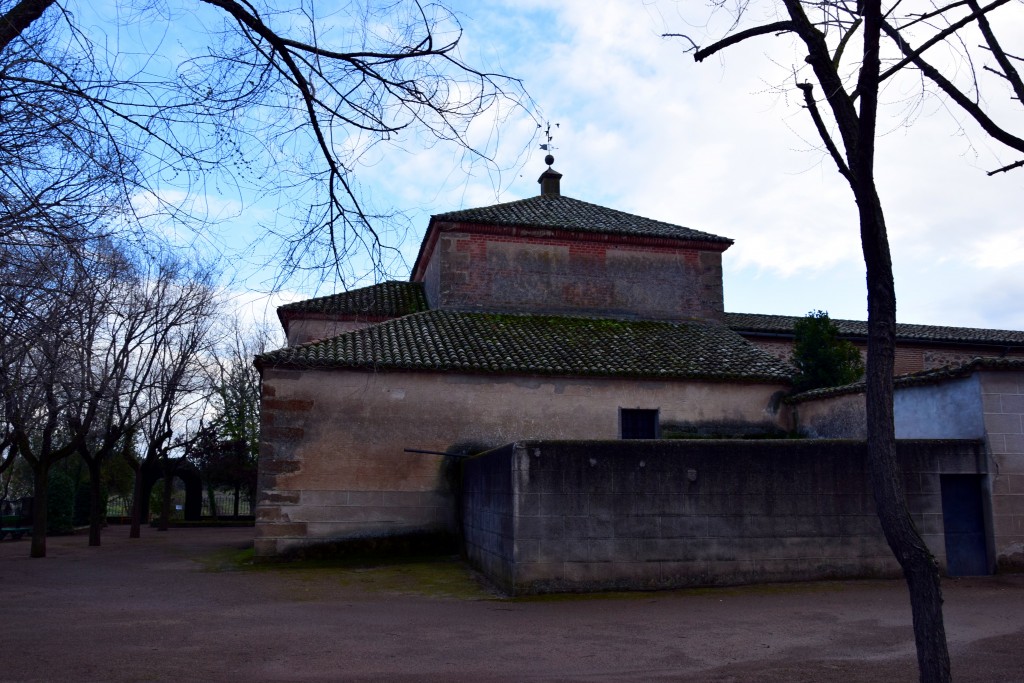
{"type": "Point", "coordinates": [659, 514]}
{"type": "Point", "coordinates": [469, 271]}
{"type": "Point", "coordinates": [948, 410]}
{"type": "Point", "coordinates": [835, 417]}
{"type": "Point", "coordinates": [332, 464]}
{"type": "Point", "coordinates": [304, 330]}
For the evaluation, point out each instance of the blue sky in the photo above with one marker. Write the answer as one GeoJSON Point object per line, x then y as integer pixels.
{"type": "Point", "coordinates": [726, 148]}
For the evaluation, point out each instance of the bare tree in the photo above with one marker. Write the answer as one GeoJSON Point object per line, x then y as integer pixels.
{"type": "Point", "coordinates": [175, 394]}
{"type": "Point", "coordinates": [897, 40]}
{"type": "Point", "coordinates": [139, 317]}
{"type": "Point", "coordinates": [37, 343]}
{"type": "Point", "coordinates": [278, 101]}
{"type": "Point", "coordinates": [227, 451]}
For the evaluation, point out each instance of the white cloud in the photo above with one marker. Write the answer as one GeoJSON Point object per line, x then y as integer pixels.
{"type": "Point", "coordinates": [717, 147]}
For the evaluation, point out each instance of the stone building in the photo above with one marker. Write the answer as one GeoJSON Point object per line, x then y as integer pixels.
{"type": "Point", "coordinates": [550, 321]}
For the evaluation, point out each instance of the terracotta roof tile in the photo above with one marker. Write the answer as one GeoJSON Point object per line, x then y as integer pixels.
{"type": "Point", "coordinates": [540, 345]}
{"type": "Point", "coordinates": [783, 324]}
{"type": "Point", "coordinates": [388, 299]}
{"type": "Point", "coordinates": [933, 376]}
{"type": "Point", "coordinates": [565, 213]}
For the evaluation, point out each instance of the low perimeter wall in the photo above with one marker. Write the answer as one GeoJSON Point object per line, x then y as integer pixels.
{"type": "Point", "coordinates": [545, 516]}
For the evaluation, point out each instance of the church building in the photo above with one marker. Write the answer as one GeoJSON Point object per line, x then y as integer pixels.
{"type": "Point", "coordinates": [551, 320]}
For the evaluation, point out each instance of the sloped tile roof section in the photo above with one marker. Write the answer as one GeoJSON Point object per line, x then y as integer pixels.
{"type": "Point", "coordinates": [933, 376]}
{"type": "Point", "coordinates": [541, 345]}
{"type": "Point", "coordinates": [558, 212]}
{"type": "Point", "coordinates": [756, 323]}
{"type": "Point", "coordinates": [386, 300]}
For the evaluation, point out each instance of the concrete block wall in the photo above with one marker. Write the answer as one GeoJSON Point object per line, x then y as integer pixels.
{"type": "Point", "coordinates": [987, 405]}
{"type": "Point", "coordinates": [658, 514]}
{"type": "Point", "coordinates": [1002, 396]}
{"type": "Point", "coordinates": [488, 538]}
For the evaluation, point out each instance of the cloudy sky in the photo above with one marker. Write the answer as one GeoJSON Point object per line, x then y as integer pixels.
{"type": "Point", "coordinates": [725, 147]}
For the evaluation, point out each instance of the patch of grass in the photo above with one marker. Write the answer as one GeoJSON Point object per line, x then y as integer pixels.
{"type": "Point", "coordinates": [433, 576]}
{"type": "Point", "coordinates": [229, 559]}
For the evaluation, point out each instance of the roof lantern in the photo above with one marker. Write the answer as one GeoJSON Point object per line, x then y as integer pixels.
{"type": "Point", "coordinates": [549, 179]}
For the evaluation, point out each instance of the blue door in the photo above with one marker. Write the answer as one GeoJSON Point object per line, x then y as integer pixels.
{"type": "Point", "coordinates": [963, 517]}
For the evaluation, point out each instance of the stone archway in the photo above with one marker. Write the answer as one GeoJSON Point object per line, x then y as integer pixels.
{"type": "Point", "coordinates": [189, 475]}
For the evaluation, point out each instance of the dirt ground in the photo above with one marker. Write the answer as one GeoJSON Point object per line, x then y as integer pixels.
{"type": "Point", "coordinates": [185, 605]}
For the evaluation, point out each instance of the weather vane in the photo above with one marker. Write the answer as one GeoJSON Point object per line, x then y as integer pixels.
{"type": "Point", "coordinates": [547, 146]}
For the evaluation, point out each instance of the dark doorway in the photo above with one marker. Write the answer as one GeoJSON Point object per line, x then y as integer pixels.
{"type": "Point", "coordinates": [639, 424]}
{"type": "Point", "coordinates": [963, 517]}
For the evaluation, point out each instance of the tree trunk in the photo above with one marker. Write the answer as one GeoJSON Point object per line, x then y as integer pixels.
{"type": "Point", "coordinates": [919, 566]}
{"type": "Point", "coordinates": [96, 506]}
{"type": "Point", "coordinates": [165, 505]}
{"type": "Point", "coordinates": [136, 526]}
{"type": "Point", "coordinates": [212, 495]}
{"type": "Point", "coordinates": [238, 491]}
{"type": "Point", "coordinates": [40, 484]}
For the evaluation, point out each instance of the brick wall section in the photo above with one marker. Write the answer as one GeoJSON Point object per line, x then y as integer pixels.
{"type": "Point", "coordinates": [1003, 404]}
{"type": "Point", "coordinates": [658, 514]}
{"type": "Point", "coordinates": [469, 271]}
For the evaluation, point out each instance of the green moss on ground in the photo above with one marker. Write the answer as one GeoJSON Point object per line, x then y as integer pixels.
{"type": "Point", "coordinates": [446, 576]}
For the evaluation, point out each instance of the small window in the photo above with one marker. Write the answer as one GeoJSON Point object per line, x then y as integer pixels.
{"type": "Point", "coordinates": [636, 423]}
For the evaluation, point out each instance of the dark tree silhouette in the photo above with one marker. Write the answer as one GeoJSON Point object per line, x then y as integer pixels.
{"type": "Point", "coordinates": [277, 102]}
{"type": "Point", "coordinates": [821, 358]}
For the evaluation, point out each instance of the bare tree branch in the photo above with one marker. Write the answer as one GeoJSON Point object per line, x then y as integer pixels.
{"type": "Point", "coordinates": [777, 27]}
{"type": "Point", "coordinates": [819, 124]}
{"type": "Point", "coordinates": [1010, 167]}
{"type": "Point", "coordinates": [1009, 72]}
{"type": "Point", "coordinates": [938, 37]}
{"type": "Point", "coordinates": [17, 19]}
{"type": "Point", "coordinates": [969, 106]}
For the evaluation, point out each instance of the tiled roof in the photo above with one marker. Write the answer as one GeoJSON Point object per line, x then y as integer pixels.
{"type": "Point", "coordinates": [783, 324]}
{"type": "Point", "coordinates": [388, 299]}
{"type": "Point", "coordinates": [540, 345]}
{"type": "Point", "coordinates": [565, 213]}
{"type": "Point", "coordinates": [932, 376]}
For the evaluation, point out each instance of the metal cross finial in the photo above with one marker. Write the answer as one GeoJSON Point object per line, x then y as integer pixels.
{"type": "Point", "coordinates": [547, 146]}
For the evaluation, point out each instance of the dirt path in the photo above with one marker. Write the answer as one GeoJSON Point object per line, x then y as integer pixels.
{"type": "Point", "coordinates": [174, 606]}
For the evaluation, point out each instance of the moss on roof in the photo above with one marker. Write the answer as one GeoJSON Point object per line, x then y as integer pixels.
{"type": "Point", "coordinates": [491, 343]}
{"type": "Point", "coordinates": [565, 213]}
{"type": "Point", "coordinates": [386, 300]}
{"type": "Point", "coordinates": [755, 323]}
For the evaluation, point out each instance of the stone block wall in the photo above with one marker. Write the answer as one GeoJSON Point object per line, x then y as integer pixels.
{"type": "Point", "coordinates": [1002, 396]}
{"type": "Point", "coordinates": [658, 514]}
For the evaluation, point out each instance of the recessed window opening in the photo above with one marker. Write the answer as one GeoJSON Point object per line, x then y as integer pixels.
{"type": "Point", "coordinates": [639, 423]}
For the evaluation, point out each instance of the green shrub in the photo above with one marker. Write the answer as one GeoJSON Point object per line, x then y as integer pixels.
{"type": "Point", "coordinates": [60, 504]}
{"type": "Point", "coordinates": [821, 358]}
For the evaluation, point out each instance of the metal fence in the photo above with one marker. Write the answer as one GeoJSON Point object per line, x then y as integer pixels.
{"type": "Point", "coordinates": [121, 506]}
